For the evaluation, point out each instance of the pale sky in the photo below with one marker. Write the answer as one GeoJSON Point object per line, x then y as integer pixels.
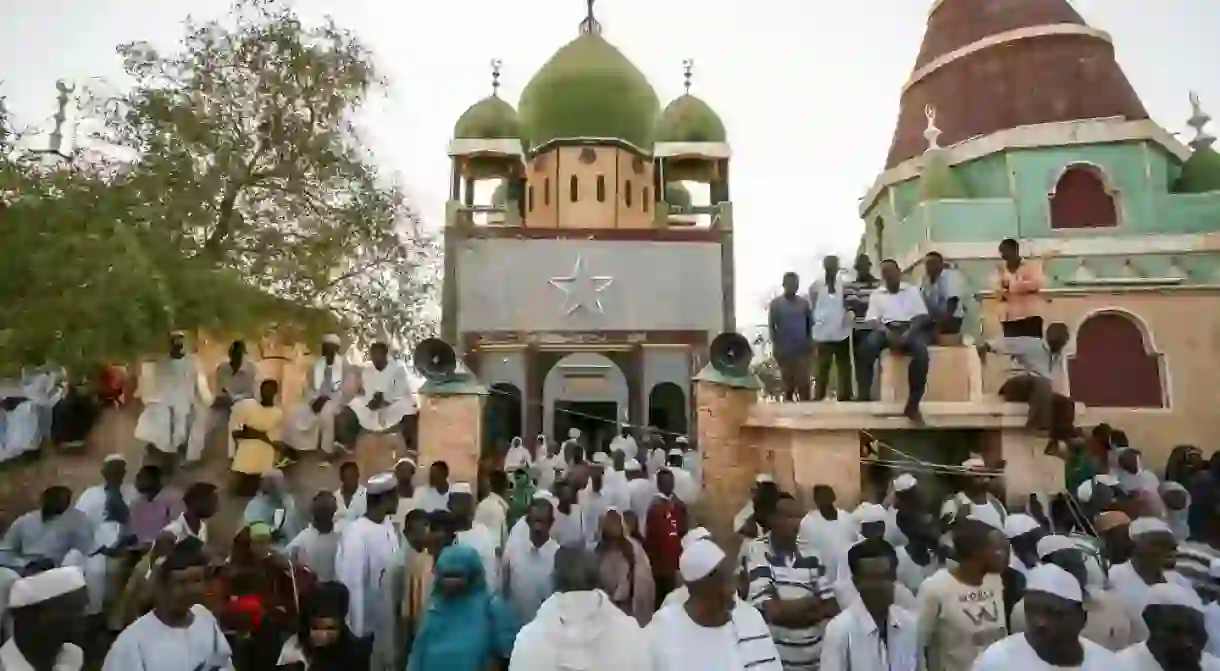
{"type": "Point", "coordinates": [808, 89]}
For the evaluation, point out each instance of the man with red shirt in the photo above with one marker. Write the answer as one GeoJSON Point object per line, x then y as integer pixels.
{"type": "Point", "coordinates": [667, 524]}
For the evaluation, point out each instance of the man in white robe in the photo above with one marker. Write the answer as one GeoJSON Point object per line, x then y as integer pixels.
{"type": "Point", "coordinates": [518, 456]}
{"type": "Point", "coordinates": [385, 401]}
{"type": "Point", "coordinates": [476, 536]}
{"type": "Point", "coordinates": [366, 547]}
{"type": "Point", "coordinates": [175, 394]}
{"type": "Point", "coordinates": [492, 511]}
{"type": "Point", "coordinates": [52, 532]}
{"type": "Point", "coordinates": [26, 410]}
{"type": "Point", "coordinates": [107, 507]}
{"type": "Point", "coordinates": [45, 609]}
{"type": "Point", "coordinates": [625, 443]}
{"type": "Point", "coordinates": [235, 381]}
{"type": "Point", "coordinates": [1177, 634]}
{"type": "Point", "coordinates": [328, 388]}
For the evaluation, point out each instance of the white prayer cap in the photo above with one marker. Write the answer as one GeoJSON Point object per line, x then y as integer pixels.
{"type": "Point", "coordinates": [694, 536]}
{"type": "Point", "coordinates": [406, 460]}
{"type": "Point", "coordinates": [1019, 524]}
{"type": "Point", "coordinates": [1084, 493]}
{"type": "Point", "coordinates": [699, 560]}
{"type": "Point", "coordinates": [573, 433]}
{"type": "Point", "coordinates": [870, 512]}
{"type": "Point", "coordinates": [1143, 526]}
{"type": "Point", "coordinates": [682, 440]}
{"type": "Point", "coordinates": [987, 514]}
{"type": "Point", "coordinates": [331, 339]}
{"type": "Point", "coordinates": [111, 458]}
{"type": "Point", "coordinates": [905, 482]}
{"type": "Point", "coordinates": [46, 585]}
{"type": "Point", "coordinates": [632, 465]}
{"type": "Point", "coordinates": [1052, 579]}
{"type": "Point", "coordinates": [544, 495]}
{"type": "Point", "coordinates": [179, 333]}
{"type": "Point", "coordinates": [677, 452]}
{"type": "Point", "coordinates": [1054, 543]}
{"type": "Point", "coordinates": [381, 483]}
{"type": "Point", "coordinates": [602, 459]}
{"type": "Point", "coordinates": [1170, 594]}
{"type": "Point", "coordinates": [461, 488]}
{"type": "Point", "coordinates": [762, 478]}
{"type": "Point", "coordinates": [1106, 479]}
{"type": "Point", "coordinates": [974, 464]}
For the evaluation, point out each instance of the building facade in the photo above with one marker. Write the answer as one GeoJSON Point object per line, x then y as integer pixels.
{"type": "Point", "coordinates": [1017, 122]}
{"type": "Point", "coordinates": [585, 293]}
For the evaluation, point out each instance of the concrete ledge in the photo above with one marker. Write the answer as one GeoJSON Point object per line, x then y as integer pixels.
{"type": "Point", "coordinates": [955, 373]}
{"type": "Point", "coordinates": [830, 415]}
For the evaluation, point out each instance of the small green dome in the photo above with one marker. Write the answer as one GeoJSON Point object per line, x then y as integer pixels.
{"type": "Point", "coordinates": [677, 195]}
{"type": "Point", "coordinates": [489, 119]}
{"type": "Point", "coordinates": [936, 179]}
{"type": "Point", "coordinates": [499, 197]}
{"type": "Point", "coordinates": [589, 90]}
{"type": "Point", "coordinates": [689, 119]}
{"type": "Point", "coordinates": [1200, 173]}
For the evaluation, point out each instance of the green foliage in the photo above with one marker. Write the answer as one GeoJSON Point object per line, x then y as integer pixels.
{"type": "Point", "coordinates": [251, 200]}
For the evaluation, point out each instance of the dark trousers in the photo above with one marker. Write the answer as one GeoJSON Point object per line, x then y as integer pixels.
{"type": "Point", "coordinates": [794, 374]}
{"type": "Point", "coordinates": [840, 354]}
{"type": "Point", "coordinates": [1047, 410]}
{"type": "Point", "coordinates": [864, 369]}
{"type": "Point", "coordinates": [1030, 327]}
{"type": "Point", "coordinates": [915, 347]}
{"type": "Point", "coordinates": [949, 326]}
{"type": "Point", "coordinates": [72, 418]}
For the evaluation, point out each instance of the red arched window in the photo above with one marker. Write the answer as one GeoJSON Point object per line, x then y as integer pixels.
{"type": "Point", "coordinates": [1082, 200]}
{"type": "Point", "coordinates": [1114, 367]}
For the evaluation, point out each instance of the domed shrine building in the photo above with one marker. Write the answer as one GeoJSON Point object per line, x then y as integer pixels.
{"type": "Point", "coordinates": [584, 293]}
{"type": "Point", "coordinates": [1016, 122]}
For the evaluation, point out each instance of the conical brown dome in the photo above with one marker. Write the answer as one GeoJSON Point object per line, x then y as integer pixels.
{"type": "Point", "coordinates": [1062, 76]}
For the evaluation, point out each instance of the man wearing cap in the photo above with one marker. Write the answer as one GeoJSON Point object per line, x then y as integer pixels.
{"type": "Point", "coordinates": [46, 611]}
{"type": "Point", "coordinates": [1177, 634]}
{"type": "Point", "coordinates": [827, 531]}
{"type": "Point", "coordinates": [550, 462]}
{"type": "Point", "coordinates": [366, 546]}
{"type": "Point", "coordinates": [1055, 617]}
{"type": "Point", "coordinates": [711, 629]}
{"type": "Point", "coordinates": [1023, 533]}
{"type": "Point", "coordinates": [1108, 623]}
{"type": "Point", "coordinates": [408, 497]}
{"type": "Point", "coordinates": [529, 568]}
{"type": "Point", "coordinates": [175, 396]}
{"type": "Point", "coordinates": [476, 536]}
{"type": "Point", "coordinates": [872, 633]}
{"type": "Point", "coordinates": [572, 451]}
{"type": "Point", "coordinates": [235, 382]}
{"type": "Point", "coordinates": [328, 388]}
{"type": "Point", "coordinates": [107, 507]}
{"type": "Point", "coordinates": [624, 442]}
{"type": "Point", "coordinates": [385, 402]}
{"type": "Point", "coordinates": [640, 492]}
{"type": "Point", "coordinates": [594, 499]}
{"type": "Point", "coordinates": [684, 483]}
{"type": "Point", "coordinates": [1151, 563]}
{"type": "Point", "coordinates": [974, 498]}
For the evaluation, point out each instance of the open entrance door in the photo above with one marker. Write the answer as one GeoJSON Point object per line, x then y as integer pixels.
{"type": "Point", "coordinates": [597, 421]}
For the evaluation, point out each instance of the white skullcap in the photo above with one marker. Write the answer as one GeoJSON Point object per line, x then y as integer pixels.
{"type": "Point", "coordinates": [1106, 479]}
{"type": "Point", "coordinates": [573, 433]}
{"type": "Point", "coordinates": [974, 464]}
{"type": "Point", "coordinates": [987, 514]}
{"type": "Point", "coordinates": [461, 488]}
{"type": "Point", "coordinates": [544, 495]}
{"type": "Point", "coordinates": [381, 483]}
{"type": "Point", "coordinates": [602, 459]}
{"type": "Point", "coordinates": [46, 585]}
{"type": "Point", "coordinates": [331, 339]}
{"type": "Point", "coordinates": [905, 482]}
{"type": "Point", "coordinates": [1051, 579]}
{"type": "Point", "coordinates": [541, 438]}
{"type": "Point", "coordinates": [405, 460]}
{"type": "Point", "coordinates": [870, 512]}
{"type": "Point", "coordinates": [677, 452]}
{"type": "Point", "coordinates": [694, 536]}
{"type": "Point", "coordinates": [1172, 594]}
{"type": "Point", "coordinates": [1084, 493]}
{"type": "Point", "coordinates": [1213, 569]}
{"type": "Point", "coordinates": [111, 458]}
{"type": "Point", "coordinates": [699, 560]}
{"type": "Point", "coordinates": [683, 440]}
{"type": "Point", "coordinates": [632, 465]}
{"type": "Point", "coordinates": [1054, 543]}
{"type": "Point", "coordinates": [1019, 524]}
{"type": "Point", "coordinates": [1142, 526]}
{"type": "Point", "coordinates": [764, 478]}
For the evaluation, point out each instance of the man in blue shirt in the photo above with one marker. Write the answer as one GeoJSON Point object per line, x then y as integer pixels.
{"type": "Point", "coordinates": [790, 324]}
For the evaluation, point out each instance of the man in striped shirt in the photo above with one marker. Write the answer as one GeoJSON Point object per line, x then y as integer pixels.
{"type": "Point", "coordinates": [1194, 558]}
{"type": "Point", "coordinates": [855, 299]}
{"type": "Point", "coordinates": [791, 589]}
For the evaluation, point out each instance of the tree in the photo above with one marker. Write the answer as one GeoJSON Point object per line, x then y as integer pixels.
{"type": "Point", "coordinates": [250, 199]}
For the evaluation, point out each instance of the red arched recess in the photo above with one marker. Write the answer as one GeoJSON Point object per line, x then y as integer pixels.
{"type": "Point", "coordinates": [1113, 367]}
{"type": "Point", "coordinates": [1081, 200]}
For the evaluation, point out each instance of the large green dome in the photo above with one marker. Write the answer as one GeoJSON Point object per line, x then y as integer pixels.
{"type": "Point", "coordinates": [489, 119]}
{"type": "Point", "coordinates": [677, 195]}
{"type": "Point", "coordinates": [589, 90]}
{"type": "Point", "coordinates": [690, 119]}
{"type": "Point", "coordinates": [1200, 173]}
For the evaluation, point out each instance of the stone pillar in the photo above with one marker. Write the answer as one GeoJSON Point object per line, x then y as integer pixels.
{"type": "Point", "coordinates": [729, 464]}
{"type": "Point", "coordinates": [826, 458]}
{"type": "Point", "coordinates": [451, 430]}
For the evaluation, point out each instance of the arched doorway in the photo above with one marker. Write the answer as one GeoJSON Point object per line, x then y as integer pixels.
{"type": "Point", "coordinates": [1082, 198]}
{"type": "Point", "coordinates": [585, 391]}
{"type": "Point", "coordinates": [667, 409]}
{"type": "Point", "coordinates": [501, 418]}
{"type": "Point", "coordinates": [1115, 365]}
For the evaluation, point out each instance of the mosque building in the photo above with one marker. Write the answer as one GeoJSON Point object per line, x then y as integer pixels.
{"type": "Point", "coordinates": [1017, 122]}
{"type": "Point", "coordinates": [585, 293]}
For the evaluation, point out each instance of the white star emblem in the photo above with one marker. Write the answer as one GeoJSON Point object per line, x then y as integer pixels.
{"type": "Point", "coordinates": [581, 290]}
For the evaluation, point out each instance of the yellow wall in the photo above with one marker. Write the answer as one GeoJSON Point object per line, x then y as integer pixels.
{"type": "Point", "coordinates": [555, 169]}
{"type": "Point", "coordinates": [1185, 329]}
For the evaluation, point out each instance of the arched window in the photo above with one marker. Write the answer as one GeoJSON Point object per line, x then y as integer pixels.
{"type": "Point", "coordinates": [574, 189]}
{"type": "Point", "coordinates": [1082, 199]}
{"type": "Point", "coordinates": [627, 193]}
{"type": "Point", "coordinates": [645, 199]}
{"type": "Point", "coordinates": [1114, 365]}
{"type": "Point", "coordinates": [601, 188]}
{"type": "Point", "coordinates": [667, 408]}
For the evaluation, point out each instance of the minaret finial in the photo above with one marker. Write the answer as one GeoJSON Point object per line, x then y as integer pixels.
{"type": "Point", "coordinates": [688, 71]}
{"type": "Point", "coordinates": [1198, 121]}
{"type": "Point", "coordinates": [932, 133]}
{"type": "Point", "coordinates": [61, 115]}
{"type": "Point", "coordinates": [496, 64]}
{"type": "Point", "coordinates": [590, 26]}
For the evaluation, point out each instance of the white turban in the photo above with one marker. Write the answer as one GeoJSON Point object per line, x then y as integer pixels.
{"type": "Point", "coordinates": [699, 560]}
{"type": "Point", "coordinates": [1051, 579]}
{"type": "Point", "coordinates": [381, 483]}
{"type": "Point", "coordinates": [1143, 526]}
{"type": "Point", "coordinates": [1019, 524]}
{"type": "Point", "coordinates": [987, 514]}
{"type": "Point", "coordinates": [870, 512]}
{"type": "Point", "coordinates": [1054, 543]}
{"type": "Point", "coordinates": [632, 466]}
{"type": "Point", "coordinates": [46, 585]}
{"type": "Point", "coordinates": [573, 433]}
{"type": "Point", "coordinates": [461, 488]}
{"type": "Point", "coordinates": [905, 482]}
{"type": "Point", "coordinates": [1173, 594]}
{"type": "Point", "coordinates": [694, 536]}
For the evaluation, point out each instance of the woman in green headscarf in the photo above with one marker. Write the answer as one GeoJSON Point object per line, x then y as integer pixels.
{"type": "Point", "coordinates": [521, 498]}
{"type": "Point", "coordinates": [466, 627]}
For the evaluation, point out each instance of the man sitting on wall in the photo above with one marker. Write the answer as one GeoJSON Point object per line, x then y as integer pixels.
{"type": "Point", "coordinates": [902, 319]}
{"type": "Point", "coordinates": [385, 401]}
{"type": "Point", "coordinates": [1036, 373]}
{"type": "Point", "coordinates": [943, 291]}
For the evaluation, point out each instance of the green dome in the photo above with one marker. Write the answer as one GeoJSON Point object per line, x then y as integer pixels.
{"type": "Point", "coordinates": [589, 90]}
{"type": "Point", "coordinates": [689, 119]}
{"type": "Point", "coordinates": [936, 180]}
{"type": "Point", "coordinates": [489, 119]}
{"type": "Point", "coordinates": [1200, 173]}
{"type": "Point", "coordinates": [677, 195]}
{"type": "Point", "coordinates": [499, 197]}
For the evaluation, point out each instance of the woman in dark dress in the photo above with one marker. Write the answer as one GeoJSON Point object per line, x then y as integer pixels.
{"type": "Point", "coordinates": [324, 642]}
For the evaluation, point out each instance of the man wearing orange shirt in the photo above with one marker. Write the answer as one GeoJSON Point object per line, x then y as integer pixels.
{"type": "Point", "coordinates": [1020, 293]}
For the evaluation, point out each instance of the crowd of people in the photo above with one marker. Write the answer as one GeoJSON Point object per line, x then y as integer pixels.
{"type": "Point", "coordinates": [578, 557]}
